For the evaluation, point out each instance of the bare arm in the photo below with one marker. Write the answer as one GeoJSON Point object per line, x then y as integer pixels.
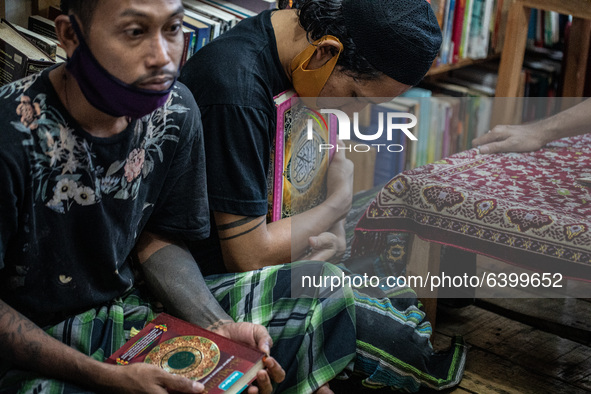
{"type": "Point", "coordinates": [175, 279]}
{"type": "Point", "coordinates": [25, 344]}
{"type": "Point", "coordinates": [529, 137]}
{"type": "Point", "coordinates": [250, 243]}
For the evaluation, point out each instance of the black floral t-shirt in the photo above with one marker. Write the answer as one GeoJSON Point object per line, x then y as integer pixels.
{"type": "Point", "coordinates": [73, 205]}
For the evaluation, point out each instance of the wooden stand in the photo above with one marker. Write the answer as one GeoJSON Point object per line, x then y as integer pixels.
{"type": "Point", "coordinates": [516, 38]}
{"type": "Point", "coordinates": [424, 262]}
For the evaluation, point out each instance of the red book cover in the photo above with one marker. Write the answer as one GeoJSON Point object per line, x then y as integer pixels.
{"type": "Point", "coordinates": [182, 348]}
{"type": "Point", "coordinates": [297, 173]}
{"type": "Point", "coordinates": [456, 37]}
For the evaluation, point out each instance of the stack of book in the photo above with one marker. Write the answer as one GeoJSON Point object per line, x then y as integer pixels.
{"type": "Point", "coordinates": [25, 51]}
{"type": "Point", "coordinates": [206, 19]}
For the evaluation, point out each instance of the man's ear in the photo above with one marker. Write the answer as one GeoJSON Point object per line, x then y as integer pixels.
{"type": "Point", "coordinates": [325, 50]}
{"type": "Point", "coordinates": [65, 34]}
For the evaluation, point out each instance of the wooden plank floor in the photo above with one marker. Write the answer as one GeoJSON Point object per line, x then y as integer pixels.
{"type": "Point", "coordinates": [517, 346]}
{"type": "Point", "coordinates": [509, 356]}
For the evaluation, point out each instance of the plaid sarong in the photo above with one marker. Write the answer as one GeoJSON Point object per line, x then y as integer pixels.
{"type": "Point", "coordinates": [379, 334]}
{"type": "Point", "coordinates": [381, 330]}
{"type": "Point", "coordinates": [96, 333]}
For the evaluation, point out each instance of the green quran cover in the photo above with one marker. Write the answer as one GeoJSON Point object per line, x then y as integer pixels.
{"type": "Point", "coordinates": [182, 348]}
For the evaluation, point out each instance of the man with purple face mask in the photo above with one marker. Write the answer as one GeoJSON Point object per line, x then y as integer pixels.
{"type": "Point", "coordinates": [103, 159]}
{"type": "Point", "coordinates": [98, 159]}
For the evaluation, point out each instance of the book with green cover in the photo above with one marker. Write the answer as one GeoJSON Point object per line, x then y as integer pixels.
{"type": "Point", "coordinates": [182, 348]}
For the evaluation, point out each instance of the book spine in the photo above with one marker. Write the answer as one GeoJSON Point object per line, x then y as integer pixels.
{"type": "Point", "coordinates": [203, 34]}
{"type": "Point", "coordinates": [476, 29]}
{"type": "Point", "coordinates": [279, 161]}
{"type": "Point", "coordinates": [457, 29]}
{"type": "Point", "coordinates": [445, 148]}
{"type": "Point", "coordinates": [49, 49]}
{"type": "Point", "coordinates": [447, 32]}
{"type": "Point", "coordinates": [187, 37]}
{"type": "Point", "coordinates": [13, 61]}
{"type": "Point", "coordinates": [483, 42]}
{"type": "Point", "coordinates": [467, 24]}
{"type": "Point", "coordinates": [40, 27]}
{"type": "Point", "coordinates": [332, 134]}
{"type": "Point", "coordinates": [35, 66]}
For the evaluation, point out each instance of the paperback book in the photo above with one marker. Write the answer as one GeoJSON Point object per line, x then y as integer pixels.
{"type": "Point", "coordinates": [182, 348]}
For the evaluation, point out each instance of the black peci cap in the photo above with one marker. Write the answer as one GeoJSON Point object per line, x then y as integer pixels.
{"type": "Point", "coordinates": [400, 38]}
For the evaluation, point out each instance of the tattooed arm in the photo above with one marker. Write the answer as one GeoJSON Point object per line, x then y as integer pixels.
{"type": "Point", "coordinates": [24, 344]}
{"type": "Point", "coordinates": [175, 279]}
{"type": "Point", "coordinates": [249, 243]}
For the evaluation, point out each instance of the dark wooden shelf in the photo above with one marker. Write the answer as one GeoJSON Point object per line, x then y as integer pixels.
{"type": "Point", "coordinates": [460, 64]}
{"type": "Point", "coordinates": [578, 46]}
{"type": "Point", "coordinates": [40, 6]}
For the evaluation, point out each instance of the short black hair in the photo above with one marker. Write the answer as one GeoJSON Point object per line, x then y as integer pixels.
{"type": "Point", "coordinates": [325, 17]}
{"type": "Point", "coordinates": [84, 9]}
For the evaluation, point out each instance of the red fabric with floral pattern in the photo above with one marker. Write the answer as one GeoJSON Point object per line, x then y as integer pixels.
{"type": "Point", "coordinates": [523, 208]}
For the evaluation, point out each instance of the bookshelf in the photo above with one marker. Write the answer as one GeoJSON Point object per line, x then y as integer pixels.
{"type": "Point", "coordinates": [441, 69]}
{"type": "Point", "coordinates": [514, 48]}
{"type": "Point", "coordinates": [32, 6]}
{"type": "Point", "coordinates": [40, 6]}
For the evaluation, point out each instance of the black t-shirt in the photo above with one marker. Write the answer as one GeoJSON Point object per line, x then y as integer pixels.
{"type": "Point", "coordinates": [234, 79]}
{"type": "Point", "coordinates": [73, 205]}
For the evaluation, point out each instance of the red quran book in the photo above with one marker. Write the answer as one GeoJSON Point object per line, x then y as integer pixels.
{"type": "Point", "coordinates": [297, 174]}
{"type": "Point", "coordinates": [182, 348]}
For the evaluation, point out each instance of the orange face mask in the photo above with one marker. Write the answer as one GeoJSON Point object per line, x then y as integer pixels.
{"type": "Point", "coordinates": [309, 83]}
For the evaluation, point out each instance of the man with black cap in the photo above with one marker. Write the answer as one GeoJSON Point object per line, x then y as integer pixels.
{"type": "Point", "coordinates": [351, 49]}
{"type": "Point", "coordinates": [327, 48]}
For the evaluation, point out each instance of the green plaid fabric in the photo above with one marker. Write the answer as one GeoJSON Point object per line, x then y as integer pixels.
{"type": "Point", "coordinates": [96, 333]}
{"type": "Point", "coordinates": [377, 333]}
{"type": "Point", "coordinates": [313, 336]}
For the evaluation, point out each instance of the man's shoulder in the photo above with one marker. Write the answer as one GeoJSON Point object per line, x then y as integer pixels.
{"type": "Point", "coordinates": [184, 110]}
{"type": "Point", "coordinates": [21, 106]}
{"type": "Point", "coordinates": [182, 95]}
{"type": "Point", "coordinates": [233, 69]}
{"type": "Point", "coordinates": [30, 86]}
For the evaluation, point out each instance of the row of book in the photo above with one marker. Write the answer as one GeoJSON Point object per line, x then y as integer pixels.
{"type": "Point", "coordinates": [446, 124]}
{"type": "Point", "coordinates": [476, 28]}
{"type": "Point", "coordinates": [206, 19]}
{"type": "Point", "coordinates": [547, 29]}
{"type": "Point", "coordinates": [27, 50]}
{"type": "Point", "coordinates": [470, 28]}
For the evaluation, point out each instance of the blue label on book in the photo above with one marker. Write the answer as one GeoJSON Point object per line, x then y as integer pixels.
{"type": "Point", "coordinates": [230, 380]}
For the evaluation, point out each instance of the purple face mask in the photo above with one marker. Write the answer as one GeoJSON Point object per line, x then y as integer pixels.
{"type": "Point", "coordinates": [107, 93]}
